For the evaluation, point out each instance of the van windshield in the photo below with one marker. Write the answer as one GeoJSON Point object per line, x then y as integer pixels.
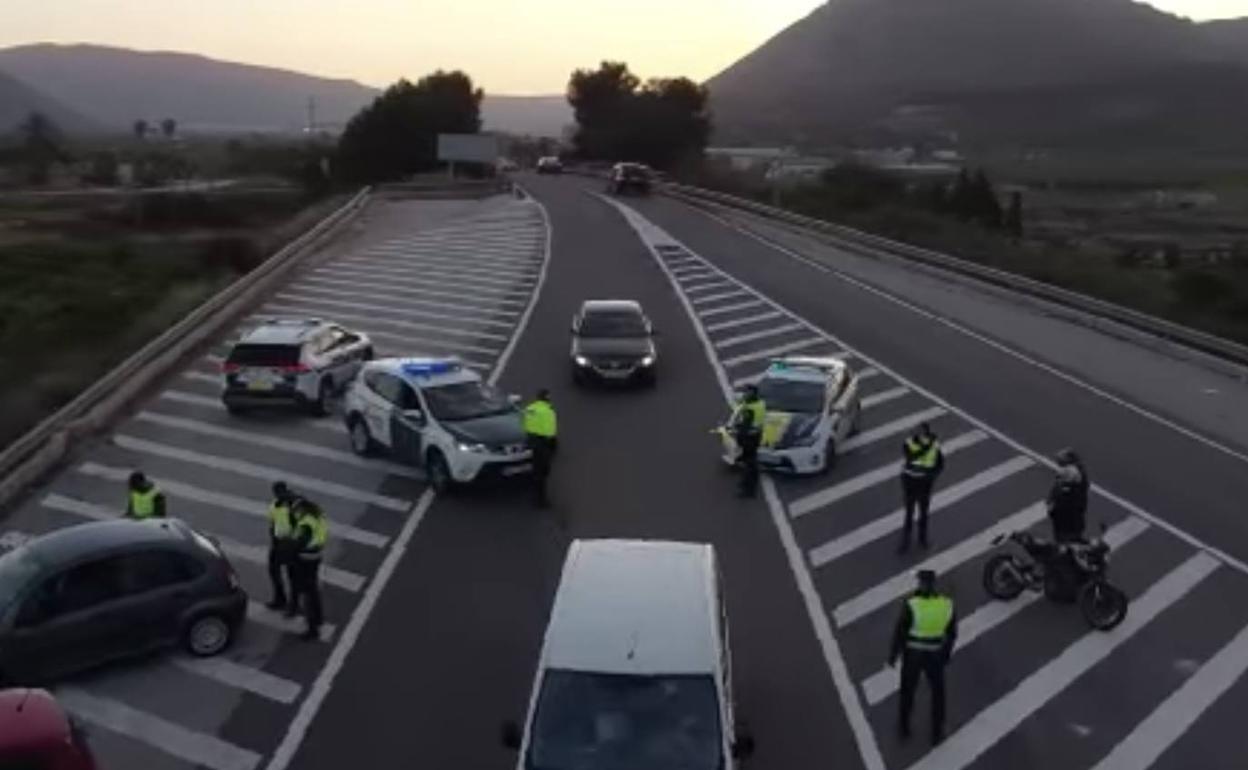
{"type": "Point", "coordinates": [625, 722]}
{"type": "Point", "coordinates": [17, 567]}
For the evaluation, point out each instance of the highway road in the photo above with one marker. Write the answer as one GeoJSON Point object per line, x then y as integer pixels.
{"type": "Point", "coordinates": [436, 644]}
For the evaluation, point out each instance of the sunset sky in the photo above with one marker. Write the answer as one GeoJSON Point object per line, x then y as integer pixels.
{"type": "Point", "coordinates": [509, 46]}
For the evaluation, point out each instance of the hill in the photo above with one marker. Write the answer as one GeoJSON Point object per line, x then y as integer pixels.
{"type": "Point", "coordinates": [17, 100]}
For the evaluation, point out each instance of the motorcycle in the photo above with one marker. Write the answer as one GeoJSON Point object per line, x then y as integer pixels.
{"type": "Point", "coordinates": [1064, 572]}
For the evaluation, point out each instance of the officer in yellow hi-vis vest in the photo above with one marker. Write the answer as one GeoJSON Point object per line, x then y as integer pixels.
{"type": "Point", "coordinates": [281, 537]}
{"type": "Point", "coordinates": [310, 535]}
{"type": "Point", "coordinates": [748, 420]}
{"type": "Point", "coordinates": [541, 429]}
{"type": "Point", "coordinates": [922, 462]}
{"type": "Point", "coordinates": [924, 639]}
{"type": "Point", "coordinates": [145, 500]}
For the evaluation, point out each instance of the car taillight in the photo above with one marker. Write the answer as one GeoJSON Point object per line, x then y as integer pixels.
{"type": "Point", "coordinates": [229, 367]}
{"type": "Point", "coordinates": [232, 578]}
{"type": "Point", "coordinates": [295, 369]}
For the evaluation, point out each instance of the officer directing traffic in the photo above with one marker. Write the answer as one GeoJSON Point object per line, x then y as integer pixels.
{"type": "Point", "coordinates": [924, 639]}
{"type": "Point", "coordinates": [281, 534]}
{"type": "Point", "coordinates": [923, 461]}
{"type": "Point", "coordinates": [145, 500]}
{"type": "Point", "coordinates": [311, 531]}
{"type": "Point", "coordinates": [747, 431]}
{"type": "Point", "coordinates": [541, 430]}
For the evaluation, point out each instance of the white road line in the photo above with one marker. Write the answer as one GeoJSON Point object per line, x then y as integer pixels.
{"type": "Point", "coordinates": [274, 619]}
{"type": "Point", "coordinates": [743, 339]}
{"type": "Point", "coordinates": [273, 442]}
{"type": "Point", "coordinates": [1152, 737]}
{"type": "Point", "coordinates": [788, 347]}
{"type": "Point", "coordinates": [508, 260]}
{"type": "Point", "coordinates": [262, 472]}
{"type": "Point", "coordinates": [397, 324]}
{"type": "Point", "coordinates": [883, 397]}
{"type": "Point", "coordinates": [717, 297]}
{"type": "Point", "coordinates": [997, 720]}
{"type": "Point", "coordinates": [242, 551]}
{"type": "Point", "coordinates": [492, 248]}
{"type": "Point", "coordinates": [863, 735]}
{"type": "Point", "coordinates": [224, 500]}
{"type": "Point", "coordinates": [696, 286]}
{"type": "Point", "coordinates": [889, 472]}
{"type": "Point", "coordinates": [377, 318]}
{"type": "Point", "coordinates": [211, 402]}
{"type": "Point", "coordinates": [212, 379]}
{"type": "Point", "coordinates": [477, 315]}
{"type": "Point", "coordinates": [419, 342]}
{"type": "Point", "coordinates": [400, 294]}
{"type": "Point", "coordinates": [902, 583]}
{"type": "Point", "coordinates": [884, 682]}
{"type": "Point", "coordinates": [734, 323]}
{"type": "Point", "coordinates": [893, 428]}
{"type": "Point", "coordinates": [198, 749]}
{"type": "Point", "coordinates": [498, 282]}
{"type": "Point", "coordinates": [484, 276]}
{"type": "Point", "coordinates": [248, 678]}
{"type": "Point", "coordinates": [942, 500]}
{"type": "Point", "coordinates": [389, 283]}
{"type": "Point", "coordinates": [693, 273]}
{"type": "Point", "coordinates": [730, 308]}
{"type": "Point", "coordinates": [868, 372]}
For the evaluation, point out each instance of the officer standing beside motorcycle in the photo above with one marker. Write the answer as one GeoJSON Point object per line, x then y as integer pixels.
{"type": "Point", "coordinates": [1068, 498]}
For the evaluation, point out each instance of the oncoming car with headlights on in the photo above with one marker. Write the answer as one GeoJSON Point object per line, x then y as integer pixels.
{"type": "Point", "coordinates": [812, 406]}
{"type": "Point", "coordinates": [437, 414]}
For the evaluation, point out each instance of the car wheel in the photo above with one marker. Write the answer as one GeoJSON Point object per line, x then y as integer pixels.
{"type": "Point", "coordinates": [438, 472]}
{"type": "Point", "coordinates": [361, 440]}
{"type": "Point", "coordinates": [829, 456]}
{"type": "Point", "coordinates": [322, 406]}
{"type": "Point", "coordinates": [207, 635]}
{"type": "Point", "coordinates": [369, 354]}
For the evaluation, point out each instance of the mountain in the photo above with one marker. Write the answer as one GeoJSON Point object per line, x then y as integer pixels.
{"type": "Point", "coordinates": [530, 115]}
{"type": "Point", "coordinates": [1230, 35]}
{"type": "Point", "coordinates": [851, 65]}
{"type": "Point", "coordinates": [17, 100]}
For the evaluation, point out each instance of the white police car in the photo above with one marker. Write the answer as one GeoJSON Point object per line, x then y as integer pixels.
{"type": "Point", "coordinates": [439, 415]}
{"type": "Point", "coordinates": [812, 406]}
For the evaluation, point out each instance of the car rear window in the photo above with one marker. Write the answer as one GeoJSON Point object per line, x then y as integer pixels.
{"type": "Point", "coordinates": [264, 355]}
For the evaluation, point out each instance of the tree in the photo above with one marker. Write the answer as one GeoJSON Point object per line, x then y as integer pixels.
{"type": "Point", "coordinates": [1013, 221]}
{"type": "Point", "coordinates": [41, 145]}
{"type": "Point", "coordinates": [140, 129]}
{"type": "Point", "coordinates": [986, 207]}
{"type": "Point", "coordinates": [397, 134]}
{"type": "Point", "coordinates": [169, 127]}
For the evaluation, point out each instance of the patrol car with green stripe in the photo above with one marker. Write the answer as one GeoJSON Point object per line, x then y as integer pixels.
{"type": "Point", "coordinates": [812, 406]}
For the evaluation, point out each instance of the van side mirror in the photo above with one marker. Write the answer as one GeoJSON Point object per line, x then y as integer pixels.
{"type": "Point", "coordinates": [415, 415]}
{"type": "Point", "coordinates": [742, 743]}
{"type": "Point", "coordinates": [510, 735]}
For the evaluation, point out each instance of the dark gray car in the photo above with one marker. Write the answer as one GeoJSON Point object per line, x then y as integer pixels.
{"type": "Point", "coordinates": [98, 592]}
{"type": "Point", "coordinates": [613, 341]}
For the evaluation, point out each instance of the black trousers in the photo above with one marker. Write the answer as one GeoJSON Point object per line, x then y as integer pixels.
{"type": "Point", "coordinates": [917, 492]}
{"type": "Point", "coordinates": [931, 665]}
{"type": "Point", "coordinates": [306, 575]}
{"type": "Point", "coordinates": [280, 573]}
{"type": "Point", "coordinates": [542, 461]}
{"type": "Point", "coordinates": [748, 460]}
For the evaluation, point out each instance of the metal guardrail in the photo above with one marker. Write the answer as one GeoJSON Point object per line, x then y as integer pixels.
{"type": "Point", "coordinates": [43, 446]}
{"type": "Point", "coordinates": [1159, 327]}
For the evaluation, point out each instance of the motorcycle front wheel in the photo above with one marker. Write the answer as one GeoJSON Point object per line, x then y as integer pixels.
{"type": "Point", "coordinates": [1103, 605]}
{"type": "Point", "coordinates": [1002, 577]}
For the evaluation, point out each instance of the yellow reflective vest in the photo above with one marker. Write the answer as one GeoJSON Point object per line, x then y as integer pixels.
{"type": "Point", "coordinates": [930, 618]}
{"type": "Point", "coordinates": [279, 520]}
{"type": "Point", "coordinates": [318, 533]}
{"type": "Point", "coordinates": [539, 420]}
{"type": "Point", "coordinates": [143, 504]}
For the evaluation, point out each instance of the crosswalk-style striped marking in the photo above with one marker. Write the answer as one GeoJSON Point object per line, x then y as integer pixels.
{"type": "Point", "coordinates": [464, 300]}
{"type": "Point", "coordinates": [997, 720]}
{"type": "Point", "coordinates": [745, 339]}
{"type": "Point", "coordinates": [509, 258]}
{"type": "Point", "coordinates": [884, 396]}
{"type": "Point", "coordinates": [736, 322]}
{"type": "Point", "coordinates": [772, 352]}
{"type": "Point", "coordinates": [890, 472]}
{"type": "Point", "coordinates": [711, 284]}
{"type": "Point", "coordinates": [730, 308]}
{"type": "Point", "coordinates": [893, 428]}
{"type": "Point", "coordinates": [479, 315]}
{"type": "Point", "coordinates": [467, 274]}
{"type": "Point", "coordinates": [211, 379]}
{"type": "Point", "coordinates": [946, 498]}
{"type": "Point", "coordinates": [420, 326]}
{"type": "Point", "coordinates": [212, 402]}
{"type": "Point", "coordinates": [421, 342]}
{"type": "Point", "coordinates": [466, 326]}
{"type": "Point", "coordinates": [241, 677]}
{"type": "Point", "coordinates": [699, 301]}
{"type": "Point", "coordinates": [387, 283]}
{"type": "Point", "coordinates": [274, 619]}
{"type": "Point", "coordinates": [262, 472]}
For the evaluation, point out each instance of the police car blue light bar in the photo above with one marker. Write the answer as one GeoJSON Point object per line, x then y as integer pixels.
{"type": "Point", "coordinates": [431, 368]}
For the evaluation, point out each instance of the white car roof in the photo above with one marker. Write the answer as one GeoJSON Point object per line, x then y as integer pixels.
{"type": "Point", "coordinates": [426, 372]}
{"type": "Point", "coordinates": [282, 331]}
{"type": "Point", "coordinates": [807, 369]}
{"type": "Point", "coordinates": [635, 607]}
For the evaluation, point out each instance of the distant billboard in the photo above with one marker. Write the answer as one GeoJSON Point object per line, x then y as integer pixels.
{"type": "Point", "coordinates": [468, 148]}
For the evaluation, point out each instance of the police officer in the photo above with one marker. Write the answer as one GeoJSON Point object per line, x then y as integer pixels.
{"type": "Point", "coordinates": [145, 499]}
{"type": "Point", "coordinates": [924, 639]}
{"type": "Point", "coordinates": [747, 431]}
{"type": "Point", "coordinates": [281, 533]}
{"type": "Point", "coordinates": [922, 463]}
{"type": "Point", "coordinates": [541, 428]}
{"type": "Point", "coordinates": [1068, 498]}
{"type": "Point", "coordinates": [311, 531]}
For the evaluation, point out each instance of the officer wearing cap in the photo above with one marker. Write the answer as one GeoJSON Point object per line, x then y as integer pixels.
{"type": "Point", "coordinates": [281, 538]}
{"type": "Point", "coordinates": [924, 639]}
{"type": "Point", "coordinates": [747, 431]}
{"type": "Point", "coordinates": [144, 499]}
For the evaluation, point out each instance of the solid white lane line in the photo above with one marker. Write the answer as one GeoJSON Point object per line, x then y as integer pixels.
{"type": "Point", "coordinates": [883, 397]}
{"type": "Point", "coordinates": [717, 297]}
{"type": "Point", "coordinates": [229, 502]}
{"type": "Point", "coordinates": [274, 619]}
{"type": "Point", "coordinates": [248, 678]}
{"type": "Point", "coordinates": [463, 301]}
{"type": "Point", "coordinates": [198, 749]}
{"type": "Point", "coordinates": [1158, 732]}
{"type": "Point", "coordinates": [392, 284]}
{"type": "Point", "coordinates": [255, 471]}
{"type": "Point", "coordinates": [902, 583]}
{"type": "Point", "coordinates": [255, 554]}
{"type": "Point", "coordinates": [730, 308]}
{"type": "Point", "coordinates": [997, 720]}
{"type": "Point", "coordinates": [789, 347]}
{"type": "Point", "coordinates": [884, 682]}
{"type": "Point", "coordinates": [942, 500]}
{"type": "Point", "coordinates": [361, 320]}
{"type": "Point", "coordinates": [477, 315]}
{"type": "Point", "coordinates": [743, 339]}
{"type": "Point", "coordinates": [404, 317]}
{"type": "Point", "coordinates": [715, 284]}
{"type": "Point", "coordinates": [890, 472]}
{"type": "Point", "coordinates": [893, 428]}
{"type": "Point", "coordinates": [273, 442]}
{"type": "Point", "coordinates": [724, 325]}
{"type": "Point", "coordinates": [483, 276]}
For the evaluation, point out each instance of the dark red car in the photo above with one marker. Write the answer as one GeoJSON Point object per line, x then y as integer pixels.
{"type": "Point", "coordinates": [36, 734]}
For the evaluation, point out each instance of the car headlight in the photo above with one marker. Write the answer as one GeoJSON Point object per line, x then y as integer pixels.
{"type": "Point", "coordinates": [475, 448]}
{"type": "Point", "coordinates": [647, 361]}
{"type": "Point", "coordinates": [581, 361]}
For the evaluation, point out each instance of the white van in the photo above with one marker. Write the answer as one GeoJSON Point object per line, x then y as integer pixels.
{"type": "Point", "coordinates": [635, 669]}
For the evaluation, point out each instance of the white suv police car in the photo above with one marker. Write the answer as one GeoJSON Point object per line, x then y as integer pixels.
{"type": "Point", "coordinates": [812, 406]}
{"type": "Point", "coordinates": [300, 361]}
{"type": "Point", "coordinates": [437, 414]}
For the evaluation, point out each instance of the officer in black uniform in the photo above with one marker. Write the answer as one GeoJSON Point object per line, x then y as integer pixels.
{"type": "Point", "coordinates": [924, 639]}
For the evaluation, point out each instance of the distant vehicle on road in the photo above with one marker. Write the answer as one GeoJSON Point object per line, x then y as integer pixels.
{"type": "Point", "coordinates": [94, 593]}
{"type": "Point", "coordinates": [437, 414]}
{"type": "Point", "coordinates": [613, 341]}
{"type": "Point", "coordinates": [296, 361]}
{"type": "Point", "coordinates": [629, 177]}
{"type": "Point", "coordinates": [812, 407]}
{"type": "Point", "coordinates": [549, 165]}
{"type": "Point", "coordinates": [37, 734]}
{"type": "Point", "coordinates": [635, 669]}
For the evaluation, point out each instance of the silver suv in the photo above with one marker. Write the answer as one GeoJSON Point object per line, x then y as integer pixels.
{"type": "Point", "coordinates": [300, 362]}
